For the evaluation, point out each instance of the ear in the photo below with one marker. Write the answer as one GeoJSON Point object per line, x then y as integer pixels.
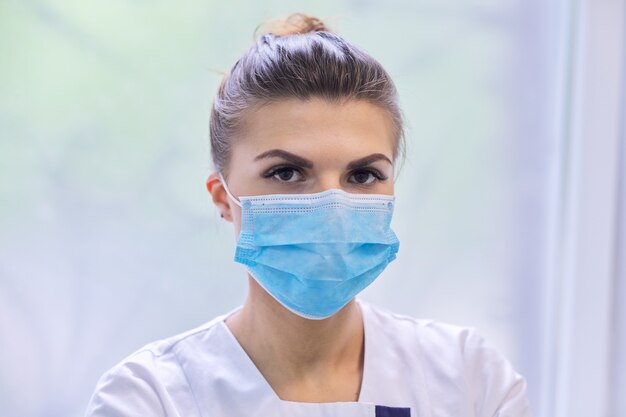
{"type": "Point", "coordinates": [218, 194]}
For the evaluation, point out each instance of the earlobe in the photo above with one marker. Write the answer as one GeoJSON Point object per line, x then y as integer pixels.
{"type": "Point", "coordinates": [218, 195]}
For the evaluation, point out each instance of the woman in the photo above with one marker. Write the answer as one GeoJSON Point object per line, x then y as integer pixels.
{"type": "Point", "coordinates": [306, 132]}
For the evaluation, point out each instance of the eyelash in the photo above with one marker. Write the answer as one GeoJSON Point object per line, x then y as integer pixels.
{"type": "Point", "coordinates": [379, 176]}
{"type": "Point", "coordinates": [278, 169]}
{"type": "Point", "coordinates": [271, 173]}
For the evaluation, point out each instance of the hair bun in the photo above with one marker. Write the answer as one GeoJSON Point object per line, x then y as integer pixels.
{"type": "Point", "coordinates": [294, 24]}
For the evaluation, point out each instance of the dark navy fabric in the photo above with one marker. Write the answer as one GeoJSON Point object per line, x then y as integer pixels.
{"type": "Point", "coordinates": [382, 411]}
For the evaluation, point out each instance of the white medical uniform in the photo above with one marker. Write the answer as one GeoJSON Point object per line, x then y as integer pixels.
{"type": "Point", "coordinates": [412, 367]}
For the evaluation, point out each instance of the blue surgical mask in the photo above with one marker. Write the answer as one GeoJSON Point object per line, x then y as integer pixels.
{"type": "Point", "coordinates": [314, 252]}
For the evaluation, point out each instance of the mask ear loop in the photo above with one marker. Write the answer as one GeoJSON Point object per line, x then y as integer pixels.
{"type": "Point", "coordinates": [232, 197]}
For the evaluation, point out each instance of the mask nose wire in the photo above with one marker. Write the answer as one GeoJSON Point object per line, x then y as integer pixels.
{"type": "Point", "coordinates": [232, 197]}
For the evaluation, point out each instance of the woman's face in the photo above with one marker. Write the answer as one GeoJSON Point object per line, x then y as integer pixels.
{"type": "Point", "coordinates": [296, 146]}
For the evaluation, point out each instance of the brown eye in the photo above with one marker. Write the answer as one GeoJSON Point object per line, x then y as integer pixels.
{"type": "Point", "coordinates": [286, 174]}
{"type": "Point", "coordinates": [364, 177]}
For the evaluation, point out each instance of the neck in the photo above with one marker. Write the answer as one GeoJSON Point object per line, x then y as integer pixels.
{"type": "Point", "coordinates": [286, 347]}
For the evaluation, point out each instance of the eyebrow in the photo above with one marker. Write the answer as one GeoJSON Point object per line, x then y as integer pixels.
{"type": "Point", "coordinates": [368, 160]}
{"type": "Point", "coordinates": [279, 153]}
{"type": "Point", "coordinates": [305, 163]}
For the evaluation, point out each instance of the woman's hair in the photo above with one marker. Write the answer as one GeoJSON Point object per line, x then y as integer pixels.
{"type": "Point", "coordinates": [298, 57]}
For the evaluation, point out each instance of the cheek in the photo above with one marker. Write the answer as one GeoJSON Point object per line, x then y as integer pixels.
{"type": "Point", "coordinates": [385, 188]}
{"type": "Point", "coordinates": [235, 212]}
{"type": "Point", "coordinates": [389, 186]}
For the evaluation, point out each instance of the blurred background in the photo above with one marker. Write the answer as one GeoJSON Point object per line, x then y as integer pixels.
{"type": "Point", "coordinates": [510, 205]}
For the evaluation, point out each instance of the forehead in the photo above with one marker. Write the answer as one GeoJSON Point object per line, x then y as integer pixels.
{"type": "Point", "coordinates": [352, 127]}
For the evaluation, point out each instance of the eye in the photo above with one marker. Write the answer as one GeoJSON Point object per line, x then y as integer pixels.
{"type": "Point", "coordinates": [284, 174]}
{"type": "Point", "coordinates": [366, 176]}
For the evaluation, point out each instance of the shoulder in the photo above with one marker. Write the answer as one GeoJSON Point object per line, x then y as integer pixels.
{"type": "Point", "coordinates": [435, 335]}
{"type": "Point", "coordinates": [456, 359]}
{"type": "Point", "coordinates": [150, 381]}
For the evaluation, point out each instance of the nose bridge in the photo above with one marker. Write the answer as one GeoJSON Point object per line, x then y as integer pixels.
{"type": "Point", "coordinates": [327, 180]}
